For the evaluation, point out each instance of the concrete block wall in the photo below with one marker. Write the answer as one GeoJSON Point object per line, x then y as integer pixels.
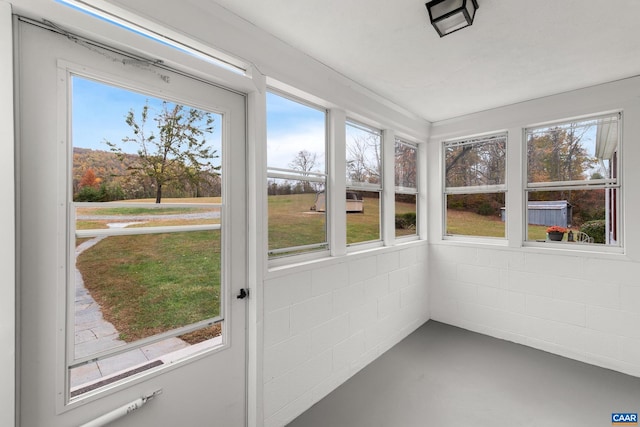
{"type": "Point", "coordinates": [325, 321]}
{"type": "Point", "coordinates": [586, 307]}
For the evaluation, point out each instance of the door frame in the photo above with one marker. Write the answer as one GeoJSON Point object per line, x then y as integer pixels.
{"type": "Point", "coordinates": [8, 227]}
{"type": "Point", "coordinates": [248, 255]}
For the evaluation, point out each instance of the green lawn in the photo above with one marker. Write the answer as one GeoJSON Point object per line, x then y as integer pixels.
{"type": "Point", "coordinates": [152, 283]}
{"type": "Point", "coordinates": [293, 223]}
{"type": "Point", "coordinates": [471, 224]}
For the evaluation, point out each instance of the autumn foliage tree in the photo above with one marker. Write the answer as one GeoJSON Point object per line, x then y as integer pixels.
{"type": "Point", "coordinates": [89, 179]}
{"type": "Point", "coordinates": [176, 149]}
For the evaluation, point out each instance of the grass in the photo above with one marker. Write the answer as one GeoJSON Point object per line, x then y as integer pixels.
{"type": "Point", "coordinates": [152, 283]}
{"type": "Point", "coordinates": [402, 208]}
{"type": "Point", "coordinates": [147, 284]}
{"type": "Point", "coordinates": [152, 209]}
{"type": "Point", "coordinates": [293, 223]}
{"type": "Point", "coordinates": [471, 224]}
{"type": "Point", "coordinates": [365, 226]}
{"type": "Point", "coordinates": [140, 211]}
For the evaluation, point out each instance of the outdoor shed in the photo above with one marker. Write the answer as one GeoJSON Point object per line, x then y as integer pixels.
{"type": "Point", "coordinates": [355, 203]}
{"type": "Point", "coordinates": [553, 212]}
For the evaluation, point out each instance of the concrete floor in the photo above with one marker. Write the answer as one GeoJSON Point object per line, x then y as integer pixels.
{"type": "Point", "coordinates": [443, 376]}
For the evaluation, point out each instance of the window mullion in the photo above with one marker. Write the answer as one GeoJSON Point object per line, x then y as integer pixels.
{"type": "Point", "coordinates": [337, 182]}
{"type": "Point", "coordinates": [388, 188]}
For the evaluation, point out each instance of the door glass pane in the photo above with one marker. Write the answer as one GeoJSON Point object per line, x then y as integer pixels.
{"type": "Point", "coordinates": [146, 185]}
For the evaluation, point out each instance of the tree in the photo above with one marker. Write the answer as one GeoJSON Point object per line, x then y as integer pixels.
{"type": "Point", "coordinates": [480, 162]}
{"type": "Point", "coordinates": [406, 167]}
{"type": "Point", "coordinates": [89, 179]}
{"type": "Point", "coordinates": [179, 151]}
{"type": "Point", "coordinates": [305, 162]}
{"type": "Point", "coordinates": [364, 162]}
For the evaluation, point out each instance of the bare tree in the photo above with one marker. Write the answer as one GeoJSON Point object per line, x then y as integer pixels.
{"type": "Point", "coordinates": [305, 161]}
{"type": "Point", "coordinates": [364, 163]}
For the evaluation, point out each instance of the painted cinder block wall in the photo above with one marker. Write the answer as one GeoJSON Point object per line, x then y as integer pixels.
{"type": "Point", "coordinates": [579, 304]}
{"type": "Point", "coordinates": [325, 321]}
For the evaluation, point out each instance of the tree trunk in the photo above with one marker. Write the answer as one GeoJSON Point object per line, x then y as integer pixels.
{"type": "Point", "coordinates": [159, 193]}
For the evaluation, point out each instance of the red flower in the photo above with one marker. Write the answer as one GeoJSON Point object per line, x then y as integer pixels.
{"type": "Point", "coordinates": [556, 229]}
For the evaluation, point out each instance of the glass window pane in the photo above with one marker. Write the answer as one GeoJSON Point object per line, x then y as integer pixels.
{"type": "Point", "coordinates": [296, 147]}
{"type": "Point", "coordinates": [146, 181]}
{"type": "Point", "coordinates": [364, 156]}
{"type": "Point", "coordinates": [363, 216]}
{"type": "Point", "coordinates": [152, 283]}
{"type": "Point", "coordinates": [574, 151]}
{"type": "Point", "coordinates": [480, 215]}
{"type": "Point", "coordinates": [406, 165]}
{"type": "Point", "coordinates": [406, 210]}
{"type": "Point", "coordinates": [297, 215]}
{"type": "Point", "coordinates": [92, 375]}
{"type": "Point", "coordinates": [296, 135]}
{"type": "Point", "coordinates": [583, 212]}
{"type": "Point", "coordinates": [476, 162]}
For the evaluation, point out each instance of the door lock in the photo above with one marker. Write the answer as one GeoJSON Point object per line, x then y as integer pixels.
{"type": "Point", "coordinates": [244, 292]}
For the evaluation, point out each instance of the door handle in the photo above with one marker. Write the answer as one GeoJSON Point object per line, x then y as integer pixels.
{"type": "Point", "coordinates": [244, 292]}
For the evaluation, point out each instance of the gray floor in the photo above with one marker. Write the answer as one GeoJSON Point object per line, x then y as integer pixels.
{"type": "Point", "coordinates": [443, 376]}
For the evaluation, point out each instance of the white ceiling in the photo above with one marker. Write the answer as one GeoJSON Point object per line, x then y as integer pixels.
{"type": "Point", "coordinates": [516, 49]}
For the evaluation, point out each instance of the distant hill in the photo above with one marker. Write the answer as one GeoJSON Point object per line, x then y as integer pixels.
{"type": "Point", "coordinates": [105, 165]}
{"type": "Point", "coordinates": [114, 174]}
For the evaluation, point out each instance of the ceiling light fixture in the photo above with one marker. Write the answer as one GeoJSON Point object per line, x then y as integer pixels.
{"type": "Point", "coordinates": [448, 16]}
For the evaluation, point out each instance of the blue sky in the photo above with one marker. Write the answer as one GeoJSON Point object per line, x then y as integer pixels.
{"type": "Point", "coordinates": [291, 128]}
{"type": "Point", "coordinates": [100, 110]}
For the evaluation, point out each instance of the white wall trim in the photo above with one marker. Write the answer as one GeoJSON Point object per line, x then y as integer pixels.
{"type": "Point", "coordinates": [7, 222]}
{"type": "Point", "coordinates": [256, 246]}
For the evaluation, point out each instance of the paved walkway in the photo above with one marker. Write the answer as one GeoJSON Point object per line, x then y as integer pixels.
{"type": "Point", "coordinates": [94, 334]}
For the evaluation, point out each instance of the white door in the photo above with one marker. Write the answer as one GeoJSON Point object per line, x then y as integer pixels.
{"type": "Point", "coordinates": [124, 301]}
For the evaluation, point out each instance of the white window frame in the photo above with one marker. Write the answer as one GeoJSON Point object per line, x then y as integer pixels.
{"type": "Point", "coordinates": [367, 186]}
{"type": "Point", "coordinates": [477, 189]}
{"type": "Point", "coordinates": [415, 191]}
{"type": "Point", "coordinates": [605, 184]}
{"type": "Point", "coordinates": [66, 72]}
{"type": "Point", "coordinates": [313, 250]}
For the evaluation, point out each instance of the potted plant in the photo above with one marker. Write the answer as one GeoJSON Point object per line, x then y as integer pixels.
{"type": "Point", "coordinates": [556, 233]}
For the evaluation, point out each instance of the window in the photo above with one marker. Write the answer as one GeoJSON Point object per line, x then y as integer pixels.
{"type": "Point", "coordinates": [296, 177]}
{"type": "Point", "coordinates": [572, 180]}
{"type": "Point", "coordinates": [364, 183]}
{"type": "Point", "coordinates": [475, 185]}
{"type": "Point", "coordinates": [406, 185]}
{"type": "Point", "coordinates": [145, 226]}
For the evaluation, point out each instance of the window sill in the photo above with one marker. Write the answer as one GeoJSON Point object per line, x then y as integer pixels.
{"type": "Point", "coordinates": [298, 264]}
{"type": "Point", "coordinates": [577, 249]}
